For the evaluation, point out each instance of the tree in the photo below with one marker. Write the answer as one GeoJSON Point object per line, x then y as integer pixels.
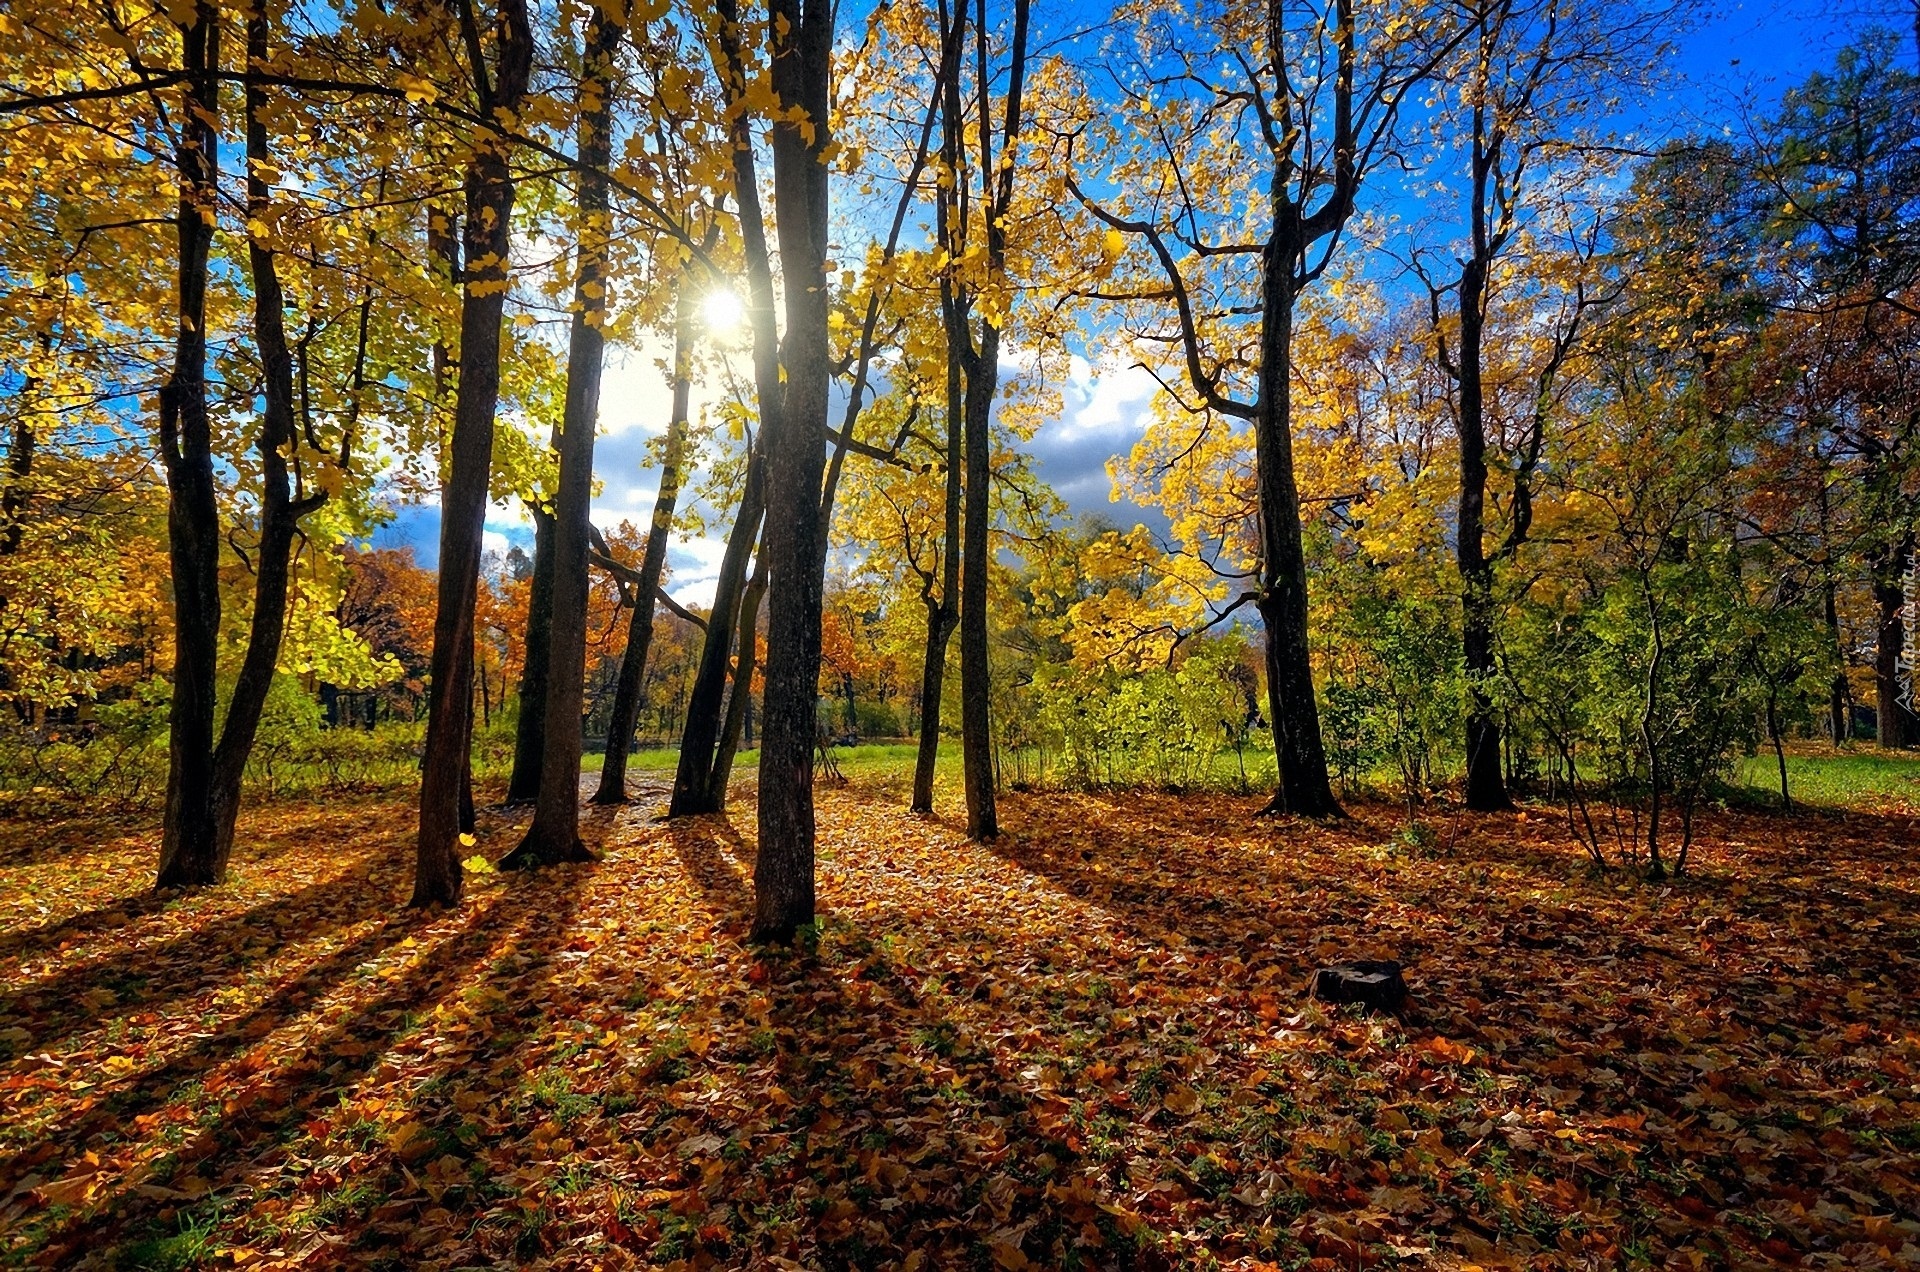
{"type": "Point", "coordinates": [498, 89]}
{"type": "Point", "coordinates": [554, 835]}
{"type": "Point", "coordinates": [1311, 117]}
{"type": "Point", "coordinates": [1839, 173]}
{"type": "Point", "coordinates": [1528, 78]}
{"type": "Point", "coordinates": [978, 357]}
{"type": "Point", "coordinates": [645, 582]}
{"type": "Point", "coordinates": [794, 433]}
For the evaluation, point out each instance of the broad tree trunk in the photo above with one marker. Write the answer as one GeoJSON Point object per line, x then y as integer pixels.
{"type": "Point", "coordinates": [530, 730]}
{"type": "Point", "coordinates": [740, 696]}
{"type": "Point", "coordinates": [795, 437]}
{"type": "Point", "coordinates": [1302, 761]}
{"type": "Point", "coordinates": [188, 855]}
{"type": "Point", "coordinates": [555, 836]}
{"type": "Point", "coordinates": [628, 689]}
{"type": "Point", "coordinates": [1898, 727]}
{"type": "Point", "coordinates": [463, 504]}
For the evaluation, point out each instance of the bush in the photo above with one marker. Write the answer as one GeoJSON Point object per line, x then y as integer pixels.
{"type": "Point", "coordinates": [1116, 727]}
{"type": "Point", "coordinates": [878, 720]}
{"type": "Point", "coordinates": [116, 760]}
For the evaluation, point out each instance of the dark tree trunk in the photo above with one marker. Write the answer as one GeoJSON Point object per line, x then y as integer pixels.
{"type": "Point", "coordinates": [976, 689]}
{"type": "Point", "coordinates": [933, 679]}
{"type": "Point", "coordinates": [795, 437]}
{"type": "Point", "coordinates": [280, 510]}
{"type": "Point", "coordinates": [943, 612]}
{"type": "Point", "coordinates": [463, 505]}
{"type": "Point", "coordinates": [1486, 783]}
{"type": "Point", "coordinates": [1898, 726]}
{"type": "Point", "coordinates": [188, 855]}
{"type": "Point", "coordinates": [1291, 706]}
{"type": "Point", "coordinates": [530, 730]}
{"type": "Point", "coordinates": [740, 696]}
{"type": "Point", "coordinates": [1839, 693]}
{"type": "Point", "coordinates": [555, 836]}
{"type": "Point", "coordinates": [982, 366]}
{"type": "Point", "coordinates": [693, 785]}
{"type": "Point", "coordinates": [13, 499]}
{"type": "Point", "coordinates": [628, 689]}
{"type": "Point", "coordinates": [693, 790]}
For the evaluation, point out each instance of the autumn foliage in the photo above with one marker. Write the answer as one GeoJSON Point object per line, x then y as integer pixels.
{"type": "Point", "coordinates": [1084, 1046]}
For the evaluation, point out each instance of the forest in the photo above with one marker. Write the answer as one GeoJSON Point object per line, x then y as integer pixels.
{"type": "Point", "coordinates": [1178, 634]}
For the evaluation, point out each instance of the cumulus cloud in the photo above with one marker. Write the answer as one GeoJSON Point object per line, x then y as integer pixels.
{"type": "Point", "coordinates": [1104, 411]}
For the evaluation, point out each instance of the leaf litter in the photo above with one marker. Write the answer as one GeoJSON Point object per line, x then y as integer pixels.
{"type": "Point", "coordinates": [1086, 1045]}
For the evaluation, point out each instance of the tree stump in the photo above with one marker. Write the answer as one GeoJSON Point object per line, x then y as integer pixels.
{"type": "Point", "coordinates": [1373, 984]}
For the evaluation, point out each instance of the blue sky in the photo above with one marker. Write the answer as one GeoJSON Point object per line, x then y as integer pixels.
{"type": "Point", "coordinates": [1733, 59]}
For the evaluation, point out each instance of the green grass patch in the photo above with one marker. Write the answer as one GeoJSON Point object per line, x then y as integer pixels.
{"type": "Point", "coordinates": [1848, 779]}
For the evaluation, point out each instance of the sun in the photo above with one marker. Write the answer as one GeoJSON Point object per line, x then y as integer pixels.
{"type": "Point", "coordinates": [724, 313]}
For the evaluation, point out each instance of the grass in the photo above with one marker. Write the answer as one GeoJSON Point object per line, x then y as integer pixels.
{"type": "Point", "coordinates": [880, 760]}
{"type": "Point", "coordinates": [1863, 779]}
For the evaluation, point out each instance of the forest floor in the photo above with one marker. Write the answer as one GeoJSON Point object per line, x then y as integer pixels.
{"type": "Point", "coordinates": [1086, 1045]}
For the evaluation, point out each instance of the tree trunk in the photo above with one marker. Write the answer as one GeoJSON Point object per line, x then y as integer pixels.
{"type": "Point", "coordinates": [693, 792]}
{"type": "Point", "coordinates": [795, 437]}
{"type": "Point", "coordinates": [943, 616]}
{"type": "Point", "coordinates": [280, 512]}
{"type": "Point", "coordinates": [1839, 693]}
{"type": "Point", "coordinates": [693, 782]}
{"type": "Point", "coordinates": [463, 505]}
{"type": "Point", "coordinates": [188, 856]}
{"type": "Point", "coordinates": [933, 678]}
{"type": "Point", "coordinates": [1898, 727]}
{"type": "Point", "coordinates": [1779, 749]}
{"type": "Point", "coordinates": [1486, 784]}
{"type": "Point", "coordinates": [627, 691]}
{"type": "Point", "coordinates": [1295, 714]}
{"type": "Point", "coordinates": [976, 737]}
{"type": "Point", "coordinates": [740, 697]}
{"type": "Point", "coordinates": [983, 379]}
{"type": "Point", "coordinates": [530, 730]}
{"type": "Point", "coordinates": [13, 498]}
{"type": "Point", "coordinates": [555, 836]}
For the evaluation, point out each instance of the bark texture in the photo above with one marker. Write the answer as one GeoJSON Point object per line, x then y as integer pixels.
{"type": "Point", "coordinates": [187, 858]}
{"type": "Point", "coordinates": [489, 194]}
{"type": "Point", "coordinates": [795, 436]}
{"type": "Point", "coordinates": [554, 836]}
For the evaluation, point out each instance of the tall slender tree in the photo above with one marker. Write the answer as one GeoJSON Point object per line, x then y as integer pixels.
{"type": "Point", "coordinates": [794, 434]}
{"type": "Point", "coordinates": [188, 839]}
{"type": "Point", "coordinates": [499, 87]}
{"type": "Point", "coordinates": [1294, 107]}
{"type": "Point", "coordinates": [1527, 79]}
{"type": "Point", "coordinates": [554, 835]}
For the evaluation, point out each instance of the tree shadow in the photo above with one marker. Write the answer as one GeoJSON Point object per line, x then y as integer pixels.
{"type": "Point", "coordinates": [711, 852]}
{"type": "Point", "coordinates": [272, 1102]}
{"type": "Point", "coordinates": [155, 976]}
{"type": "Point", "coordinates": [110, 916]}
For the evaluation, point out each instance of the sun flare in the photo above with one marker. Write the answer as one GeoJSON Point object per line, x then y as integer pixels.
{"type": "Point", "coordinates": [724, 313]}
